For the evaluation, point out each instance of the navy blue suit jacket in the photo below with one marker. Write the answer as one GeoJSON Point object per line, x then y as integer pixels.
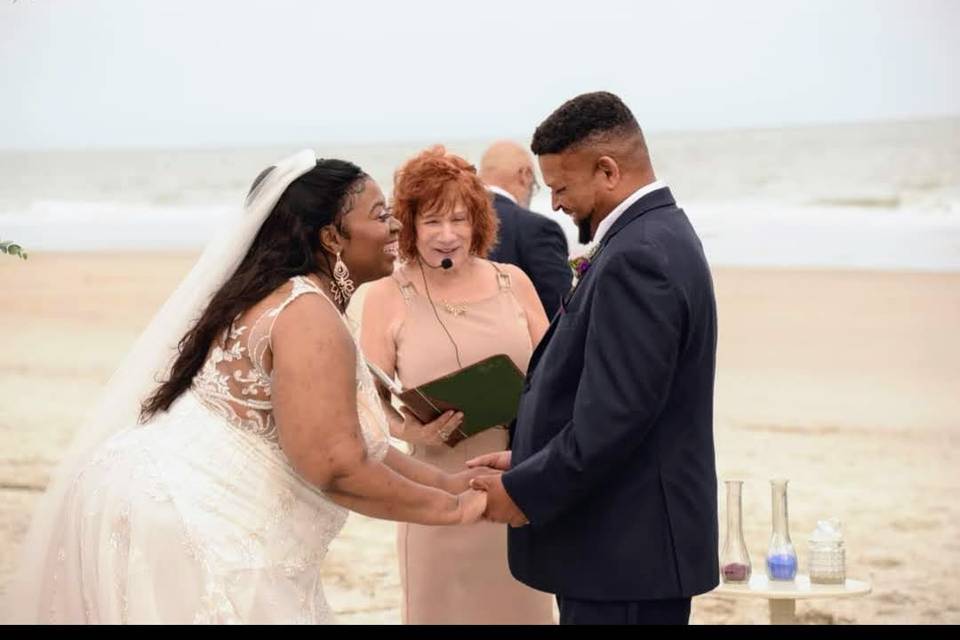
{"type": "Point", "coordinates": [613, 454]}
{"type": "Point", "coordinates": [537, 245]}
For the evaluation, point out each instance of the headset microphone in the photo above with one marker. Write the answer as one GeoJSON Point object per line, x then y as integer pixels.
{"type": "Point", "coordinates": [445, 264]}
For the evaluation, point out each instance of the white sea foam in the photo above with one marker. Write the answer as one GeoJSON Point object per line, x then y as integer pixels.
{"type": "Point", "coordinates": [846, 237]}
{"type": "Point", "coordinates": [776, 235]}
{"type": "Point", "coordinates": [98, 226]}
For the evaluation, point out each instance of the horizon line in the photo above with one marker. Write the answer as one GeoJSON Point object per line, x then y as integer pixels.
{"type": "Point", "coordinates": [454, 140]}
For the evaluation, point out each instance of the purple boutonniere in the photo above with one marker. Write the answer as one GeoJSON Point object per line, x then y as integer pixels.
{"type": "Point", "coordinates": [581, 264]}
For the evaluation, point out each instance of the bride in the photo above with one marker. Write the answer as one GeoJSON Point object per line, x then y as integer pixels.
{"type": "Point", "coordinates": [219, 503]}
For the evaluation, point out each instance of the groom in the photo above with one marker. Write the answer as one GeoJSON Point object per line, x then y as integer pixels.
{"type": "Point", "coordinates": [610, 487]}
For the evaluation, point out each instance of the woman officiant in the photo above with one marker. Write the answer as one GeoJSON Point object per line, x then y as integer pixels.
{"type": "Point", "coordinates": [445, 308]}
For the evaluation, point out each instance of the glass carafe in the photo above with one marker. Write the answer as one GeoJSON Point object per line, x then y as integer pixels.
{"type": "Point", "coordinates": [734, 559]}
{"type": "Point", "coordinates": [781, 556]}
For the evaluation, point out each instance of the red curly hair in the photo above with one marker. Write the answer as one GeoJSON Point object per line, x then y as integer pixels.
{"type": "Point", "coordinates": [437, 179]}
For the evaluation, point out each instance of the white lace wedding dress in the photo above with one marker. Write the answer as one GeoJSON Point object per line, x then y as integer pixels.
{"type": "Point", "coordinates": [197, 516]}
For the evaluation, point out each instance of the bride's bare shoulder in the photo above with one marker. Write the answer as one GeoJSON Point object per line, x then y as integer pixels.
{"type": "Point", "coordinates": [309, 329]}
{"type": "Point", "coordinates": [298, 302]}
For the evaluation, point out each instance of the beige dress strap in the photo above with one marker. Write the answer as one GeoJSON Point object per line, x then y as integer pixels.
{"type": "Point", "coordinates": [503, 278]}
{"type": "Point", "coordinates": [407, 290]}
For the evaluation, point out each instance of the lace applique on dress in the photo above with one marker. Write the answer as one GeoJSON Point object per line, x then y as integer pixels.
{"type": "Point", "coordinates": [235, 380]}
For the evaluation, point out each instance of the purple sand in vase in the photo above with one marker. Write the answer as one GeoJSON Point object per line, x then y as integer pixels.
{"type": "Point", "coordinates": [734, 559]}
{"type": "Point", "coordinates": [782, 566]}
{"type": "Point", "coordinates": [735, 572]}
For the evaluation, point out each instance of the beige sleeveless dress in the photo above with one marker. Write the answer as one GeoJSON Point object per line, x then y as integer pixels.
{"type": "Point", "coordinates": [459, 575]}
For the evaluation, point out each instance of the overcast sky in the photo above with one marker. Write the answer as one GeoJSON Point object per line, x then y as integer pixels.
{"type": "Point", "coordinates": [106, 73]}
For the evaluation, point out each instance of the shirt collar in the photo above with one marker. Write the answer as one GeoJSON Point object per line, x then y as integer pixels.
{"type": "Point", "coordinates": [502, 192]}
{"type": "Point", "coordinates": [607, 222]}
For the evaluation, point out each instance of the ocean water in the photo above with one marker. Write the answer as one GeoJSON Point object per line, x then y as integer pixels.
{"type": "Point", "coordinates": [866, 196]}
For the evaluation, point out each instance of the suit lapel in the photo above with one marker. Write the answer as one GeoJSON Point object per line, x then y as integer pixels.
{"type": "Point", "coordinates": [655, 200]}
{"type": "Point", "coordinates": [538, 351]}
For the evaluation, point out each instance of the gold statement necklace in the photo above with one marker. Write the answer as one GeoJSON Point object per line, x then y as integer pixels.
{"type": "Point", "coordinates": [455, 310]}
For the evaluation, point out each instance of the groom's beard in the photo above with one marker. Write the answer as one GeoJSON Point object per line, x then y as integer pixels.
{"type": "Point", "coordinates": [586, 234]}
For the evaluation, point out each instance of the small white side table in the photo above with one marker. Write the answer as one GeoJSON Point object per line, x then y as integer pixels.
{"type": "Point", "coordinates": [783, 596]}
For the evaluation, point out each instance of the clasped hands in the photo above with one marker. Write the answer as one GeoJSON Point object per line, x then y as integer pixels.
{"type": "Point", "coordinates": [478, 487]}
{"type": "Point", "coordinates": [483, 476]}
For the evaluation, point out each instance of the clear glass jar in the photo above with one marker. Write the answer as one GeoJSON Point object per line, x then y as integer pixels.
{"type": "Point", "coordinates": [734, 560]}
{"type": "Point", "coordinates": [827, 555]}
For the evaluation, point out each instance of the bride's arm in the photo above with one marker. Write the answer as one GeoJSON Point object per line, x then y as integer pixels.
{"type": "Point", "coordinates": [425, 473]}
{"type": "Point", "coordinates": [315, 406]}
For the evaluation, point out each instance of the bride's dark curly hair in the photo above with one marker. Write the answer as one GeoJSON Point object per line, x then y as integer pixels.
{"type": "Point", "coordinates": [285, 246]}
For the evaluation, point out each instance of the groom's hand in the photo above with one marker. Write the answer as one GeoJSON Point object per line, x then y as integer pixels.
{"type": "Point", "coordinates": [459, 482]}
{"type": "Point", "coordinates": [497, 460]}
{"type": "Point", "coordinates": [500, 506]}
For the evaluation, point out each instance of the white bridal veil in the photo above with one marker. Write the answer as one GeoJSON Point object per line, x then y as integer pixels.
{"type": "Point", "coordinates": [147, 362]}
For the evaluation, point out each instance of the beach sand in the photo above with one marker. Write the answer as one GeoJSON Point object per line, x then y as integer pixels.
{"type": "Point", "coordinates": [847, 383]}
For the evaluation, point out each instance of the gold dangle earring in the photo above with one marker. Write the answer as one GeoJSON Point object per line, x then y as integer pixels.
{"type": "Point", "coordinates": [342, 286]}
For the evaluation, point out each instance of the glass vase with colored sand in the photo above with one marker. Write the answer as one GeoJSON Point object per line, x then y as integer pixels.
{"type": "Point", "coordinates": [734, 559]}
{"type": "Point", "coordinates": [781, 556]}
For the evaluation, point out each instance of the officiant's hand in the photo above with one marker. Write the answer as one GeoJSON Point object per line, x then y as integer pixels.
{"type": "Point", "coordinates": [472, 504]}
{"type": "Point", "coordinates": [500, 506]}
{"type": "Point", "coordinates": [432, 433]}
{"type": "Point", "coordinates": [497, 460]}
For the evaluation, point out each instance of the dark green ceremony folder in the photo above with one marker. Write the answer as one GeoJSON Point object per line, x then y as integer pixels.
{"type": "Point", "coordinates": [487, 392]}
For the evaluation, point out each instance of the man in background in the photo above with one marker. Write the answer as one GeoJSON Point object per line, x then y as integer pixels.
{"type": "Point", "coordinates": [527, 239]}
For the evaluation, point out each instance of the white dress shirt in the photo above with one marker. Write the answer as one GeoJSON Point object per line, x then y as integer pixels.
{"type": "Point", "coordinates": [502, 192]}
{"type": "Point", "coordinates": [607, 222]}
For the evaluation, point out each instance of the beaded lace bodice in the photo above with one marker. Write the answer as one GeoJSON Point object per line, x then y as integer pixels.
{"type": "Point", "coordinates": [235, 380]}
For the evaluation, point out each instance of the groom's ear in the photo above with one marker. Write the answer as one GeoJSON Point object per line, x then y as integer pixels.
{"type": "Point", "coordinates": [609, 171]}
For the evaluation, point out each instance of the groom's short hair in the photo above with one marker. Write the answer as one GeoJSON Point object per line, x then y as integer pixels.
{"type": "Point", "coordinates": [600, 114]}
